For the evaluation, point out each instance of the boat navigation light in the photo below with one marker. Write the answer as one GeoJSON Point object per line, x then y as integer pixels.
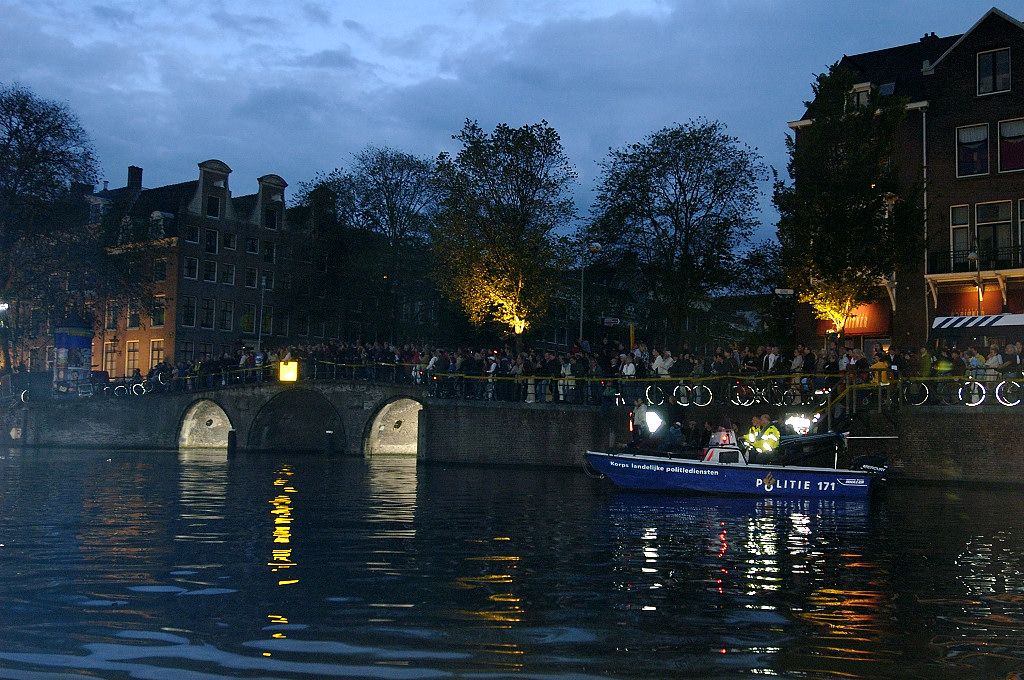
{"type": "Point", "coordinates": [654, 421]}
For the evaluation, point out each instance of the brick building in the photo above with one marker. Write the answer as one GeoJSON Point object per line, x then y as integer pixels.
{"type": "Point", "coordinates": [963, 141]}
{"type": "Point", "coordinates": [217, 262]}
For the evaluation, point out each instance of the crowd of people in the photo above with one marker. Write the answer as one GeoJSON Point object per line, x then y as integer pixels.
{"type": "Point", "coordinates": [584, 373]}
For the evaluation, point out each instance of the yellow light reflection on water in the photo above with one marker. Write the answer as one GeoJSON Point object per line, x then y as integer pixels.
{"type": "Point", "coordinates": [282, 558]}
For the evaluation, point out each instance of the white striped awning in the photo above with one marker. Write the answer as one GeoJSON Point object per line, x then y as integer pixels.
{"type": "Point", "coordinates": [977, 325]}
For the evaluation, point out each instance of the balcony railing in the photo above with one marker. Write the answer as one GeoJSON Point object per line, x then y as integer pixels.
{"type": "Point", "coordinates": [950, 261]}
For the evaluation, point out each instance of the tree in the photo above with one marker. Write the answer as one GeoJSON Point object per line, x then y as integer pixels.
{"type": "Point", "coordinates": [680, 204]}
{"type": "Point", "coordinates": [44, 154]}
{"type": "Point", "coordinates": [375, 217]}
{"type": "Point", "coordinates": [847, 221]}
{"type": "Point", "coordinates": [43, 151]}
{"type": "Point", "coordinates": [502, 199]}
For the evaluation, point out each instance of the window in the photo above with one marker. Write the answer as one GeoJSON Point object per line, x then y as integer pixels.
{"type": "Point", "coordinates": [211, 242]}
{"type": "Point", "coordinates": [226, 320]}
{"type": "Point", "coordinates": [160, 270]}
{"type": "Point", "coordinates": [186, 351]}
{"type": "Point", "coordinates": [156, 352]}
{"type": "Point", "coordinates": [227, 274]}
{"type": "Point", "coordinates": [109, 357]}
{"type": "Point", "coordinates": [205, 350]}
{"type": "Point", "coordinates": [192, 233]}
{"type": "Point", "coordinates": [1011, 145]}
{"type": "Point", "coordinates": [113, 312]}
{"type": "Point", "coordinates": [228, 240]}
{"type": "Point", "coordinates": [972, 151]}
{"type": "Point", "coordinates": [187, 312]}
{"type": "Point", "coordinates": [133, 317]}
{"type": "Point", "coordinates": [960, 236]}
{"type": "Point", "coordinates": [206, 313]}
{"type": "Point", "coordinates": [157, 315]}
{"type": "Point", "coordinates": [247, 322]}
{"type": "Point", "coordinates": [267, 322]}
{"type": "Point", "coordinates": [190, 269]}
{"type": "Point", "coordinates": [269, 251]}
{"type": "Point", "coordinates": [252, 245]}
{"type": "Point", "coordinates": [860, 97]}
{"type": "Point", "coordinates": [302, 323]}
{"type": "Point", "coordinates": [994, 71]}
{"type": "Point", "coordinates": [131, 357]}
{"type": "Point", "coordinates": [281, 322]}
{"type": "Point", "coordinates": [250, 277]}
{"type": "Point", "coordinates": [268, 280]}
{"type": "Point", "coordinates": [210, 271]}
{"type": "Point", "coordinates": [270, 216]}
{"type": "Point", "coordinates": [212, 206]}
{"type": "Point", "coordinates": [993, 221]}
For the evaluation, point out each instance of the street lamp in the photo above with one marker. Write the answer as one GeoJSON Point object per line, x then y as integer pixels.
{"type": "Point", "coordinates": [594, 249]}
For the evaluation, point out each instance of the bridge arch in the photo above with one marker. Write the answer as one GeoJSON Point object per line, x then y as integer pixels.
{"type": "Point", "coordinates": [297, 419]}
{"type": "Point", "coordinates": [204, 425]}
{"type": "Point", "coordinates": [394, 429]}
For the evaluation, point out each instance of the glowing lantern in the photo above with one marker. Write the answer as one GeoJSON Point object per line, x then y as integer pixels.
{"type": "Point", "coordinates": [288, 371]}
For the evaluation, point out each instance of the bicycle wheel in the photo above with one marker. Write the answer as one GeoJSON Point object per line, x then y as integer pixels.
{"type": "Point", "coordinates": [742, 395]}
{"type": "Point", "coordinates": [775, 395]}
{"type": "Point", "coordinates": [971, 393]}
{"type": "Point", "coordinates": [702, 395]}
{"type": "Point", "coordinates": [791, 397]}
{"type": "Point", "coordinates": [655, 395]}
{"type": "Point", "coordinates": [682, 393]}
{"type": "Point", "coordinates": [138, 389]}
{"type": "Point", "coordinates": [121, 391]}
{"type": "Point", "coordinates": [1009, 392]}
{"type": "Point", "coordinates": [915, 393]}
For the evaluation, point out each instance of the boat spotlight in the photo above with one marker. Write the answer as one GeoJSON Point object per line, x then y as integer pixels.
{"type": "Point", "coordinates": [654, 421]}
{"type": "Point", "coordinates": [800, 424]}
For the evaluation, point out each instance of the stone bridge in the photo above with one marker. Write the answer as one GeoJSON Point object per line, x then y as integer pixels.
{"type": "Point", "coordinates": [343, 417]}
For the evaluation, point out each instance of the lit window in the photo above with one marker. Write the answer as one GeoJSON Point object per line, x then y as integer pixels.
{"type": "Point", "coordinates": [131, 357]}
{"type": "Point", "coordinates": [1011, 145]}
{"type": "Point", "coordinates": [972, 151]}
{"type": "Point", "coordinates": [156, 352]}
{"type": "Point", "coordinates": [994, 71]}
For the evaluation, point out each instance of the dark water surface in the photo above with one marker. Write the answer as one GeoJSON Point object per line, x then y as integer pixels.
{"type": "Point", "coordinates": [166, 565]}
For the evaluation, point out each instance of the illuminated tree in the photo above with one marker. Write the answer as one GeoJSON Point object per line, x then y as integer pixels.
{"type": "Point", "coordinates": [502, 197]}
{"type": "Point", "coordinates": [847, 222]}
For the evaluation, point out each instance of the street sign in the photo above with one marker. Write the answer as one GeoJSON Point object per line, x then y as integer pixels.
{"type": "Point", "coordinates": [610, 321]}
{"type": "Point", "coordinates": [784, 291]}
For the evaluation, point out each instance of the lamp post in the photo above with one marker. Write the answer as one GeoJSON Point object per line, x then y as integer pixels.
{"type": "Point", "coordinates": [259, 326]}
{"type": "Point", "coordinates": [974, 257]}
{"type": "Point", "coordinates": [594, 249]}
{"type": "Point", "coordinates": [6, 356]}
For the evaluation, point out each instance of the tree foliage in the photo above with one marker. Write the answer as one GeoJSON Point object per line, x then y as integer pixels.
{"type": "Point", "coordinates": [502, 199]}
{"type": "Point", "coordinates": [48, 261]}
{"type": "Point", "coordinates": [681, 204]}
{"type": "Point", "coordinates": [847, 219]}
{"type": "Point", "coordinates": [386, 192]}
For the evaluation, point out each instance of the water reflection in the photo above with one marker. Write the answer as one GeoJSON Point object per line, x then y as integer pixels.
{"type": "Point", "coordinates": [132, 565]}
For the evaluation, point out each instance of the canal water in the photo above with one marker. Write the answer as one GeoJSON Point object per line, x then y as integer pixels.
{"type": "Point", "coordinates": [167, 566]}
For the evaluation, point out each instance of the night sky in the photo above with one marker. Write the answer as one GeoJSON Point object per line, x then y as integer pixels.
{"type": "Point", "coordinates": [296, 87]}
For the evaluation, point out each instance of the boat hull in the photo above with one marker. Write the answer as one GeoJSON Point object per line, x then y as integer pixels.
{"type": "Point", "coordinates": [656, 473]}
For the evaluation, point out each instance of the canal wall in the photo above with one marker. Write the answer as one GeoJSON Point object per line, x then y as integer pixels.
{"type": "Point", "coordinates": [496, 433]}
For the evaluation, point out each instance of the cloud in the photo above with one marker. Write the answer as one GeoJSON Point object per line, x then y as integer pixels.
{"type": "Point", "coordinates": [317, 14]}
{"type": "Point", "coordinates": [340, 59]}
{"type": "Point", "coordinates": [244, 24]}
{"type": "Point", "coordinates": [115, 16]}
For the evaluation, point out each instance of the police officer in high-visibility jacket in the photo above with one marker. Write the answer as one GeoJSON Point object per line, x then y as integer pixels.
{"type": "Point", "coordinates": [770, 436]}
{"type": "Point", "coordinates": [753, 435]}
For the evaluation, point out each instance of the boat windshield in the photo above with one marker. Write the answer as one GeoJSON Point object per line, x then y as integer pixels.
{"type": "Point", "coordinates": [723, 438]}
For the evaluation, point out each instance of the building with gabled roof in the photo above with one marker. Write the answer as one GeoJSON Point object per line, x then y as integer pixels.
{"type": "Point", "coordinates": [963, 142]}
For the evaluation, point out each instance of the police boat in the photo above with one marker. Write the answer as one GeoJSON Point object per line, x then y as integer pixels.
{"type": "Point", "coordinates": [726, 466]}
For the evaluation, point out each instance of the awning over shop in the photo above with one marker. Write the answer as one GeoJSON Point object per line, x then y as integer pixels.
{"type": "Point", "coordinates": [977, 326]}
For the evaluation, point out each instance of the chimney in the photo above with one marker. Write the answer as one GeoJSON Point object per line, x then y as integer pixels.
{"type": "Point", "coordinates": [105, 183]}
{"type": "Point", "coordinates": [135, 178]}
